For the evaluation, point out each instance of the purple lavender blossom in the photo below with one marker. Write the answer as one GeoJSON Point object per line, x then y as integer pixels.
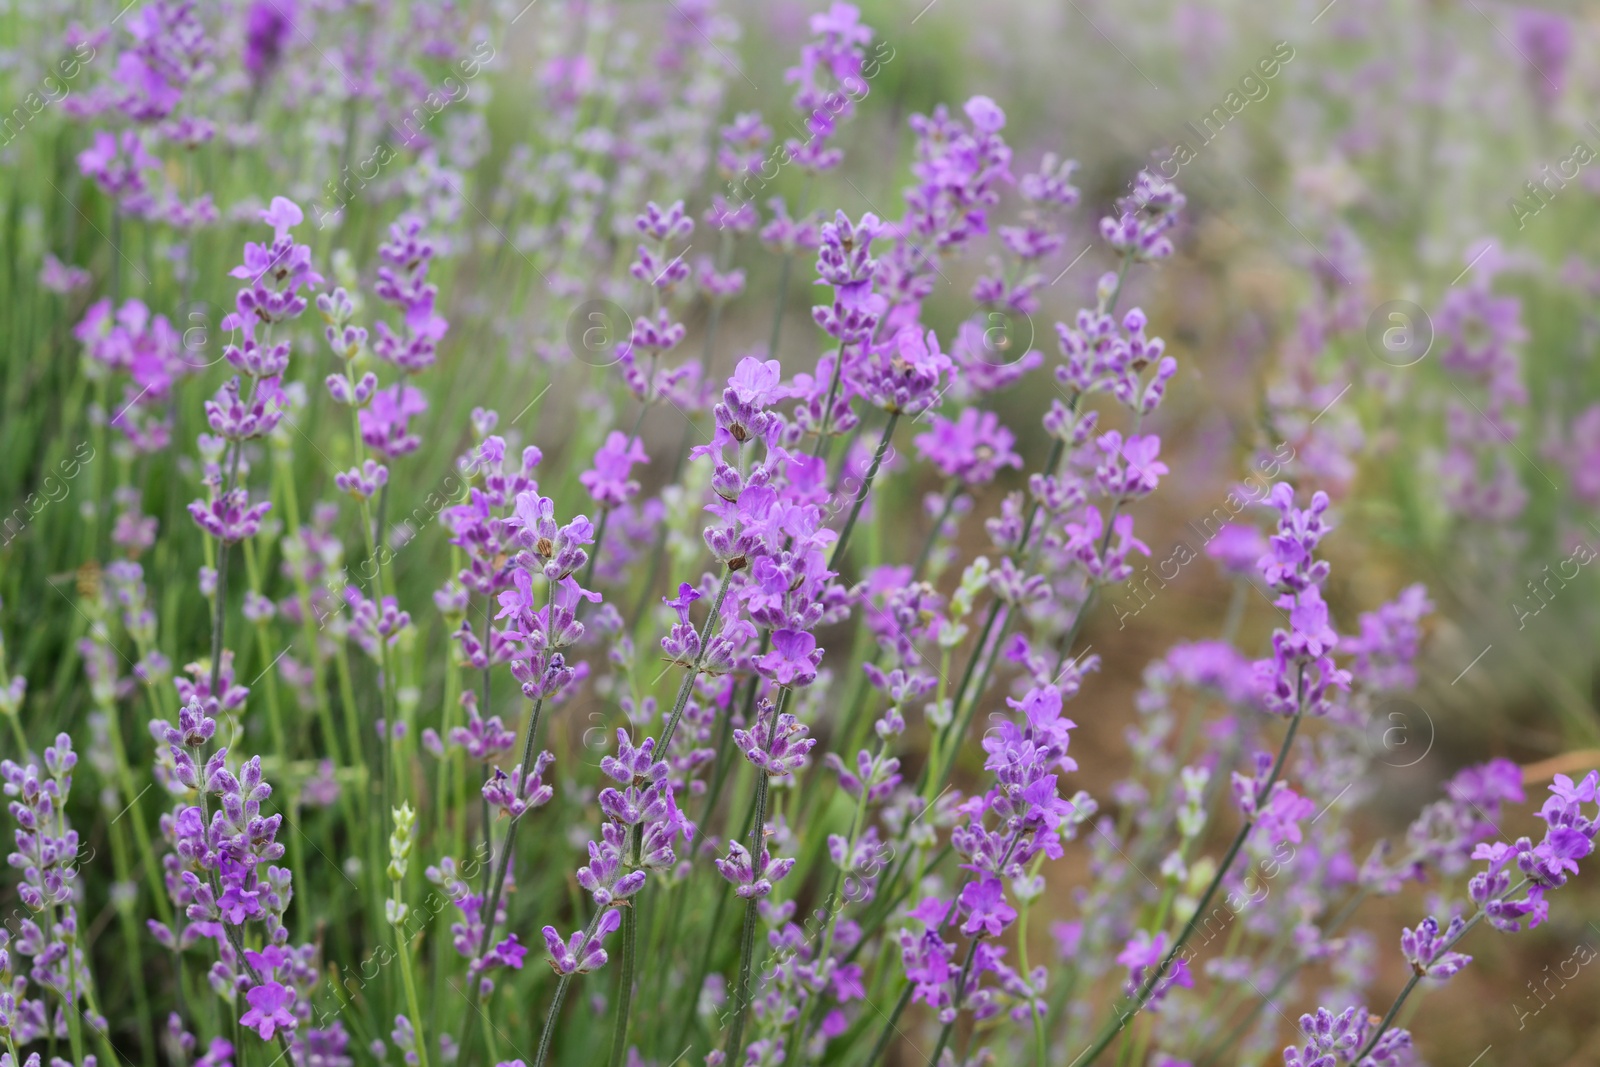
{"type": "Point", "coordinates": [583, 951]}
{"type": "Point", "coordinates": [269, 26]}
{"type": "Point", "coordinates": [1425, 948]}
{"type": "Point", "coordinates": [1144, 952]}
{"type": "Point", "coordinates": [385, 423]}
{"type": "Point", "coordinates": [973, 448]}
{"type": "Point", "coordinates": [1543, 41]}
{"type": "Point", "coordinates": [609, 481]}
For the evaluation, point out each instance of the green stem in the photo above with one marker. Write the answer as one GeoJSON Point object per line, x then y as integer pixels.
{"type": "Point", "coordinates": [498, 880]}
{"type": "Point", "coordinates": [889, 1027]}
{"type": "Point", "coordinates": [1212, 1049]}
{"type": "Point", "coordinates": [1394, 1009]}
{"type": "Point", "coordinates": [834, 906]}
{"type": "Point", "coordinates": [352, 725]}
{"type": "Point", "coordinates": [221, 595]}
{"type": "Point", "coordinates": [1147, 988]}
{"type": "Point", "coordinates": [509, 844]}
{"type": "Point", "coordinates": [447, 716]}
{"type": "Point", "coordinates": [630, 936]}
{"type": "Point", "coordinates": [961, 987]}
{"type": "Point", "coordinates": [74, 1009]}
{"type": "Point", "coordinates": [951, 731]}
{"type": "Point", "coordinates": [719, 777]}
{"type": "Point", "coordinates": [705, 965]}
{"type": "Point", "coordinates": [777, 308]}
{"type": "Point", "coordinates": [950, 495]}
{"type": "Point", "coordinates": [264, 650]}
{"type": "Point", "coordinates": [222, 566]}
{"type": "Point", "coordinates": [22, 742]}
{"type": "Point", "coordinates": [861, 494]}
{"type": "Point", "coordinates": [308, 626]}
{"type": "Point", "coordinates": [823, 431]}
{"type": "Point", "coordinates": [483, 710]}
{"type": "Point", "coordinates": [141, 833]}
{"type": "Point", "coordinates": [132, 935]}
{"type": "Point", "coordinates": [972, 951]}
{"type": "Point", "coordinates": [783, 274]}
{"type": "Point", "coordinates": [1022, 956]}
{"type": "Point", "coordinates": [684, 689]}
{"type": "Point", "coordinates": [550, 1020]}
{"type": "Point", "coordinates": [554, 1014]}
{"type": "Point", "coordinates": [403, 950]}
{"type": "Point", "coordinates": [747, 937]}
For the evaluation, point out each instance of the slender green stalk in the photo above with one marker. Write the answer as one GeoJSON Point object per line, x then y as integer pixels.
{"type": "Point", "coordinates": [777, 307]}
{"type": "Point", "coordinates": [498, 879]}
{"type": "Point", "coordinates": [747, 951]}
{"type": "Point", "coordinates": [308, 622]}
{"type": "Point", "coordinates": [824, 438]}
{"type": "Point", "coordinates": [1210, 1050]}
{"type": "Point", "coordinates": [724, 759]}
{"type": "Point", "coordinates": [961, 987]}
{"type": "Point", "coordinates": [889, 1027]}
{"type": "Point", "coordinates": [22, 741]}
{"type": "Point", "coordinates": [403, 951]}
{"type": "Point", "coordinates": [1399, 1001]}
{"type": "Point", "coordinates": [952, 491]}
{"type": "Point", "coordinates": [483, 710]}
{"type": "Point", "coordinates": [352, 724]}
{"type": "Point", "coordinates": [834, 907]}
{"type": "Point", "coordinates": [237, 448]}
{"type": "Point", "coordinates": [132, 934]}
{"type": "Point", "coordinates": [309, 628]}
{"type": "Point", "coordinates": [447, 717]}
{"type": "Point", "coordinates": [554, 1014]}
{"type": "Point", "coordinates": [972, 951]}
{"type": "Point", "coordinates": [141, 833]}
{"type": "Point", "coordinates": [719, 777]}
{"type": "Point", "coordinates": [264, 650]}
{"type": "Point", "coordinates": [74, 1007]}
{"type": "Point", "coordinates": [945, 741]}
{"type": "Point", "coordinates": [509, 845]}
{"type": "Point", "coordinates": [1147, 988]}
{"type": "Point", "coordinates": [1394, 1009]}
{"type": "Point", "coordinates": [1022, 956]}
{"type": "Point", "coordinates": [747, 936]}
{"type": "Point", "coordinates": [221, 596]}
{"type": "Point", "coordinates": [959, 722]}
{"type": "Point", "coordinates": [783, 274]}
{"type": "Point", "coordinates": [724, 894]}
{"type": "Point", "coordinates": [687, 686]}
{"type": "Point", "coordinates": [630, 940]}
{"type": "Point", "coordinates": [861, 494]}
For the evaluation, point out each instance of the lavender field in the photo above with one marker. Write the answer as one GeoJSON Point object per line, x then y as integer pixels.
{"type": "Point", "coordinates": [661, 532]}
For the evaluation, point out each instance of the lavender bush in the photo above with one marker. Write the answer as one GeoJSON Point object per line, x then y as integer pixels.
{"type": "Point", "coordinates": [499, 630]}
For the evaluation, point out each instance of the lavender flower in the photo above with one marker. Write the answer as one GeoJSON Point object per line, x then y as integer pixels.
{"type": "Point", "coordinates": [973, 448]}
{"type": "Point", "coordinates": [1424, 948]}
{"type": "Point", "coordinates": [583, 951]}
